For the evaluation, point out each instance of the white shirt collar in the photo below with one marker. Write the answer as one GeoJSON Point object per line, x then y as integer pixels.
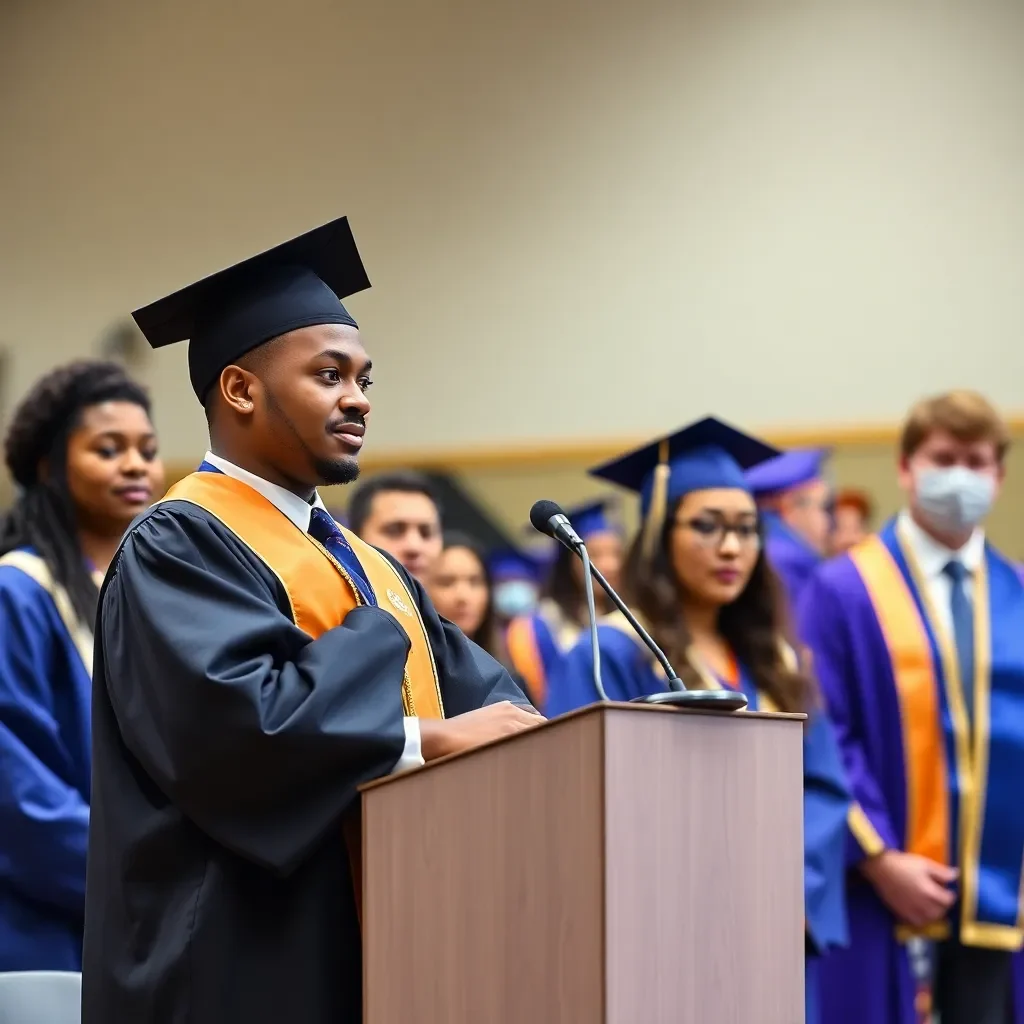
{"type": "Point", "coordinates": [291, 505]}
{"type": "Point", "coordinates": [933, 557]}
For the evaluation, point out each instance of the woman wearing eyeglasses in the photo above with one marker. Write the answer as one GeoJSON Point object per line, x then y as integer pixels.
{"type": "Point", "coordinates": [699, 581]}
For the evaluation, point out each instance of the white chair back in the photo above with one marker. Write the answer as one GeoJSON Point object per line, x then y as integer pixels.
{"type": "Point", "coordinates": [40, 997]}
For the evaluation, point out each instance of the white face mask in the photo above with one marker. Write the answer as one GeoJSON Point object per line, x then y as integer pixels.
{"type": "Point", "coordinates": [954, 499]}
{"type": "Point", "coordinates": [514, 597]}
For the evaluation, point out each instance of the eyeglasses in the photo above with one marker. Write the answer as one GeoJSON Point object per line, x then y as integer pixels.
{"type": "Point", "coordinates": [712, 532]}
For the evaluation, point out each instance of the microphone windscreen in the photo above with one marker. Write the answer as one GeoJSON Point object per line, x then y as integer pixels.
{"type": "Point", "coordinates": [541, 513]}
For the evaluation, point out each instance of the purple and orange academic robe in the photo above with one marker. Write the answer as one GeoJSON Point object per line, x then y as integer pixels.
{"type": "Point", "coordinates": [923, 779]}
{"type": "Point", "coordinates": [792, 558]}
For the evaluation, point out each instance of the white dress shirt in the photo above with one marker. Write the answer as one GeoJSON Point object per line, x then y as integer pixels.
{"type": "Point", "coordinates": [299, 512]}
{"type": "Point", "coordinates": [933, 557]}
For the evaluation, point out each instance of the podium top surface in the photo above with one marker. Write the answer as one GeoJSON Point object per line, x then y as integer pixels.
{"type": "Point", "coordinates": [591, 709]}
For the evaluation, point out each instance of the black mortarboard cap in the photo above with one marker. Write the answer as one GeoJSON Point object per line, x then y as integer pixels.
{"type": "Point", "coordinates": [297, 284]}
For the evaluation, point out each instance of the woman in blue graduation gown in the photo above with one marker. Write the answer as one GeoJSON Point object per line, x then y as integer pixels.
{"type": "Point", "coordinates": [537, 642]}
{"type": "Point", "coordinates": [82, 451]}
{"type": "Point", "coordinates": [462, 589]}
{"type": "Point", "coordinates": [699, 580]}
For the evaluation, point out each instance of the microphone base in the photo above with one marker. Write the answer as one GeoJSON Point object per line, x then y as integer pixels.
{"type": "Point", "coordinates": [696, 700]}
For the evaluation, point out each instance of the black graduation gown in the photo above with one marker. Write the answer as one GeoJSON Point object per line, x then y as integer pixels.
{"type": "Point", "coordinates": [226, 747]}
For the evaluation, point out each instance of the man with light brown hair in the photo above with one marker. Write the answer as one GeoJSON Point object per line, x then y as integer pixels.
{"type": "Point", "coordinates": [918, 641]}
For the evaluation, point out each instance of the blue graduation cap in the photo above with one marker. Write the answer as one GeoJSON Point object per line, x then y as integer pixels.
{"type": "Point", "coordinates": [595, 517]}
{"type": "Point", "coordinates": [516, 565]}
{"type": "Point", "coordinates": [790, 469]}
{"type": "Point", "coordinates": [703, 455]}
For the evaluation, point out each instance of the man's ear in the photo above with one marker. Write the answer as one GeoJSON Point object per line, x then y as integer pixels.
{"type": "Point", "coordinates": [239, 389]}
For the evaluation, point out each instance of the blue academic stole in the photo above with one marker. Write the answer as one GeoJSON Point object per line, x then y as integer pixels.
{"type": "Point", "coordinates": [962, 783]}
{"type": "Point", "coordinates": [342, 552]}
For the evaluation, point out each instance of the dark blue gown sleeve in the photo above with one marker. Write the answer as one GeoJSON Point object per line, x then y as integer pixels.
{"type": "Point", "coordinates": [44, 821]}
{"type": "Point", "coordinates": [256, 733]}
{"type": "Point", "coordinates": [826, 806]}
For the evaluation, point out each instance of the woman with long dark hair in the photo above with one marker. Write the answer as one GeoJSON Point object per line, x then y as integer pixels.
{"type": "Point", "coordinates": [698, 579]}
{"type": "Point", "coordinates": [537, 642]}
{"type": "Point", "coordinates": [82, 452]}
{"type": "Point", "coordinates": [463, 592]}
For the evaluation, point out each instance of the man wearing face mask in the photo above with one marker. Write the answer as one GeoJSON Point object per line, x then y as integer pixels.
{"type": "Point", "coordinates": [918, 642]}
{"type": "Point", "coordinates": [516, 583]}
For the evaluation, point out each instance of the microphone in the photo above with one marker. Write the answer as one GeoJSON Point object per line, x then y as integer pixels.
{"type": "Point", "coordinates": [549, 519]}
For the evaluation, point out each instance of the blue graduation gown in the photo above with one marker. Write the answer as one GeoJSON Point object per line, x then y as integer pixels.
{"type": "Point", "coordinates": [536, 644]}
{"type": "Point", "coordinates": [792, 558]}
{"type": "Point", "coordinates": [890, 681]}
{"type": "Point", "coordinates": [627, 672]}
{"type": "Point", "coordinates": [45, 719]}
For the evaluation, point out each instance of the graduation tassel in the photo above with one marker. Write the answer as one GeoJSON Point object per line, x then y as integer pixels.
{"type": "Point", "coordinates": [659, 502]}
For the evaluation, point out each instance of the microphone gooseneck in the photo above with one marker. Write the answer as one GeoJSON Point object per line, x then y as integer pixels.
{"type": "Point", "coordinates": [549, 519]}
{"type": "Point", "coordinates": [674, 682]}
{"type": "Point", "coordinates": [595, 647]}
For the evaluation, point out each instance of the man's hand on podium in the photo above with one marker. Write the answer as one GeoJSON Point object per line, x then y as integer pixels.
{"type": "Point", "coordinates": [440, 737]}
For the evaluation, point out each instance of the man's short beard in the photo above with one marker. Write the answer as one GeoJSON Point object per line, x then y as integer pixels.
{"type": "Point", "coordinates": [337, 471]}
{"type": "Point", "coordinates": [344, 470]}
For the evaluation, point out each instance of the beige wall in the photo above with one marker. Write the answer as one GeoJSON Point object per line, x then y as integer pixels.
{"type": "Point", "coordinates": [580, 219]}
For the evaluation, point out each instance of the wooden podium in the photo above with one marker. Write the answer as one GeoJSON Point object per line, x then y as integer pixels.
{"type": "Point", "coordinates": [625, 864]}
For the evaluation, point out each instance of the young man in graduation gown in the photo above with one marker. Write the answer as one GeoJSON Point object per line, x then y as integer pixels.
{"type": "Point", "coordinates": [793, 498]}
{"type": "Point", "coordinates": [254, 664]}
{"type": "Point", "coordinates": [918, 641]}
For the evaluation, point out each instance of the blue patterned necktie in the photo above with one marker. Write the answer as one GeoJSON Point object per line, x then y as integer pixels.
{"type": "Point", "coordinates": [325, 530]}
{"type": "Point", "coordinates": [963, 630]}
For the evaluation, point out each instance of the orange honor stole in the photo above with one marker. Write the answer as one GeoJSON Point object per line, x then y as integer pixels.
{"type": "Point", "coordinates": [320, 591]}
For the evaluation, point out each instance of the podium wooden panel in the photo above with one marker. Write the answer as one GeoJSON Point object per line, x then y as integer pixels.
{"type": "Point", "coordinates": [621, 865]}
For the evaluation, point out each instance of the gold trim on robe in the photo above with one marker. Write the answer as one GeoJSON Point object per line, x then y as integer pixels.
{"type": "Point", "coordinates": [35, 568]}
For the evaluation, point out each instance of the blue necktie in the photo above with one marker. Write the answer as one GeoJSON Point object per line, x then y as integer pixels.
{"type": "Point", "coordinates": [963, 630]}
{"type": "Point", "coordinates": [324, 529]}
